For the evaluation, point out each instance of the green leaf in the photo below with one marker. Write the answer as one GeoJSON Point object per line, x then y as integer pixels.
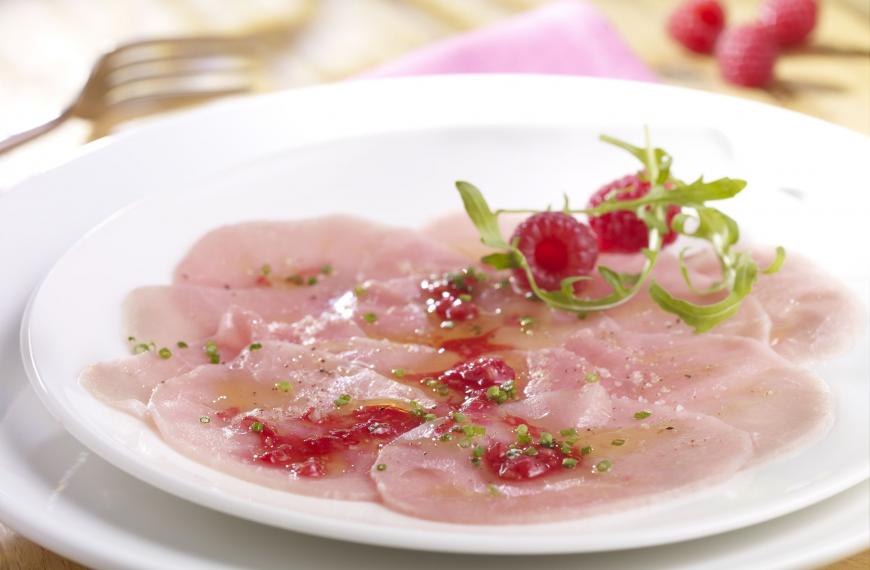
{"type": "Point", "coordinates": [481, 215]}
{"type": "Point", "coordinates": [777, 262]}
{"type": "Point", "coordinates": [500, 260]}
{"type": "Point", "coordinates": [704, 317]}
{"type": "Point", "coordinates": [663, 159]}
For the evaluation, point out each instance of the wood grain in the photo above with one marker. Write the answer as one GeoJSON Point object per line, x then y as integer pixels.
{"type": "Point", "coordinates": [830, 79]}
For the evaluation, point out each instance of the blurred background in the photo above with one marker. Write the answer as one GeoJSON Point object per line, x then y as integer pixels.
{"type": "Point", "coordinates": [47, 48]}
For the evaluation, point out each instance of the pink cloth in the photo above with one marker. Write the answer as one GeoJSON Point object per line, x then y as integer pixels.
{"type": "Point", "coordinates": [565, 38]}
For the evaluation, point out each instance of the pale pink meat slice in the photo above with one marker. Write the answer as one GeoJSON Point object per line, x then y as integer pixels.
{"type": "Point", "coordinates": [127, 383]}
{"type": "Point", "coordinates": [813, 315]}
{"type": "Point", "coordinates": [250, 386]}
{"type": "Point", "coordinates": [740, 381]}
{"type": "Point", "coordinates": [674, 452]}
{"type": "Point", "coordinates": [563, 409]}
{"type": "Point", "coordinates": [353, 248]}
{"type": "Point", "coordinates": [168, 314]}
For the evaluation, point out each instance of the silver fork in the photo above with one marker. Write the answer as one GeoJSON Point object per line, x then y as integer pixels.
{"type": "Point", "coordinates": [142, 77]}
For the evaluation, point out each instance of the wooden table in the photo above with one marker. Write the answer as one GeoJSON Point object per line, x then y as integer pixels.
{"type": "Point", "coordinates": [830, 79]}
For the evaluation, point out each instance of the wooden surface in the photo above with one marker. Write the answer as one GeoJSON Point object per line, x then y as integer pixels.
{"type": "Point", "coordinates": [829, 79]}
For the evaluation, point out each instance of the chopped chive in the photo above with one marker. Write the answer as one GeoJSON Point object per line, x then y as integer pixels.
{"type": "Point", "coordinates": [266, 269]}
{"type": "Point", "coordinates": [312, 280]}
{"type": "Point", "coordinates": [445, 437]}
{"type": "Point", "coordinates": [257, 427]}
{"type": "Point", "coordinates": [381, 466]}
{"type": "Point", "coordinates": [131, 338]}
{"type": "Point", "coordinates": [447, 324]}
{"type": "Point", "coordinates": [370, 317]}
{"type": "Point", "coordinates": [295, 279]}
{"type": "Point", "coordinates": [181, 344]}
{"type": "Point", "coordinates": [326, 269]}
{"type": "Point", "coordinates": [603, 466]}
{"type": "Point", "coordinates": [530, 451]}
{"type": "Point", "coordinates": [478, 451]}
{"type": "Point", "coordinates": [284, 386]}
{"type": "Point", "coordinates": [140, 348]}
{"type": "Point", "coordinates": [592, 377]}
{"type": "Point", "coordinates": [493, 490]}
{"type": "Point", "coordinates": [165, 353]}
{"type": "Point", "coordinates": [618, 442]}
{"type": "Point", "coordinates": [342, 400]}
{"type": "Point", "coordinates": [642, 415]}
{"type": "Point", "coordinates": [568, 431]}
{"type": "Point", "coordinates": [211, 350]}
{"type": "Point", "coordinates": [442, 389]}
{"type": "Point", "coordinates": [546, 439]}
{"type": "Point", "coordinates": [523, 434]}
{"type": "Point", "coordinates": [204, 419]}
{"type": "Point", "coordinates": [465, 298]}
{"type": "Point", "coordinates": [569, 463]}
{"type": "Point", "coordinates": [255, 346]}
{"type": "Point", "coordinates": [565, 448]}
{"type": "Point", "coordinates": [586, 450]}
{"type": "Point", "coordinates": [430, 417]}
{"type": "Point", "coordinates": [458, 417]}
{"type": "Point", "coordinates": [359, 290]}
{"type": "Point", "coordinates": [398, 372]}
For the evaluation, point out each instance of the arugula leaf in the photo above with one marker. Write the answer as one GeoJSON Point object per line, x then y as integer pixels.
{"type": "Point", "coordinates": [704, 317]}
{"type": "Point", "coordinates": [481, 216]}
{"type": "Point", "coordinates": [662, 159]}
{"type": "Point", "coordinates": [776, 265]}
{"type": "Point", "coordinates": [500, 260]}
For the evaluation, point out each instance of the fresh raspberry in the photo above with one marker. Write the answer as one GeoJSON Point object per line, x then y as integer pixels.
{"type": "Point", "coordinates": [697, 24]}
{"type": "Point", "coordinates": [747, 55]}
{"type": "Point", "coordinates": [790, 21]}
{"type": "Point", "coordinates": [623, 231]}
{"type": "Point", "coordinates": [476, 374]}
{"type": "Point", "coordinates": [556, 246]}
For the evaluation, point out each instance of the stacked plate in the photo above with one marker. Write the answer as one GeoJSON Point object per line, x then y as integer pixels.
{"type": "Point", "coordinates": [101, 488]}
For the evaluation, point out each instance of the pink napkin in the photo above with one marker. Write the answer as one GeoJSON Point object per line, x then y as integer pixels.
{"type": "Point", "coordinates": [566, 38]}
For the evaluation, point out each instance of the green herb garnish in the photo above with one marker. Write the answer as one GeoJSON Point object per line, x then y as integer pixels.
{"type": "Point", "coordinates": [738, 270]}
{"type": "Point", "coordinates": [398, 372]}
{"type": "Point", "coordinates": [342, 400]}
{"type": "Point", "coordinates": [618, 442]}
{"type": "Point", "coordinates": [381, 466]}
{"type": "Point", "coordinates": [181, 344]}
{"type": "Point", "coordinates": [211, 350]}
{"type": "Point", "coordinates": [284, 386]}
{"type": "Point", "coordinates": [603, 466]}
{"type": "Point", "coordinates": [569, 463]}
{"type": "Point", "coordinates": [642, 415]}
{"type": "Point", "coordinates": [257, 427]}
{"type": "Point", "coordinates": [255, 346]}
{"type": "Point", "coordinates": [165, 353]}
{"type": "Point", "coordinates": [370, 318]}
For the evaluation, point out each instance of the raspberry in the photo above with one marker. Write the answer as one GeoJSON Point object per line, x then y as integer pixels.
{"type": "Point", "coordinates": [696, 24]}
{"type": "Point", "coordinates": [747, 55]}
{"type": "Point", "coordinates": [624, 232]}
{"type": "Point", "coordinates": [790, 21]}
{"type": "Point", "coordinates": [481, 372]}
{"type": "Point", "coordinates": [556, 246]}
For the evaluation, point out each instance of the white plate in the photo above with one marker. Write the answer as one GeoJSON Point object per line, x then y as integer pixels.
{"type": "Point", "coordinates": [493, 131]}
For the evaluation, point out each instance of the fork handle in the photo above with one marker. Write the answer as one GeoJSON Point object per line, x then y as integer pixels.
{"type": "Point", "coordinates": [18, 139]}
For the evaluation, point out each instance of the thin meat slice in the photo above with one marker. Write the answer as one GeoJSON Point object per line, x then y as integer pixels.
{"type": "Point", "coordinates": [813, 315]}
{"type": "Point", "coordinates": [428, 477]}
{"type": "Point", "coordinates": [337, 251]}
{"type": "Point", "coordinates": [168, 314]}
{"type": "Point", "coordinates": [740, 381]}
{"type": "Point", "coordinates": [286, 416]}
{"type": "Point", "coordinates": [127, 383]}
{"type": "Point", "coordinates": [564, 409]}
